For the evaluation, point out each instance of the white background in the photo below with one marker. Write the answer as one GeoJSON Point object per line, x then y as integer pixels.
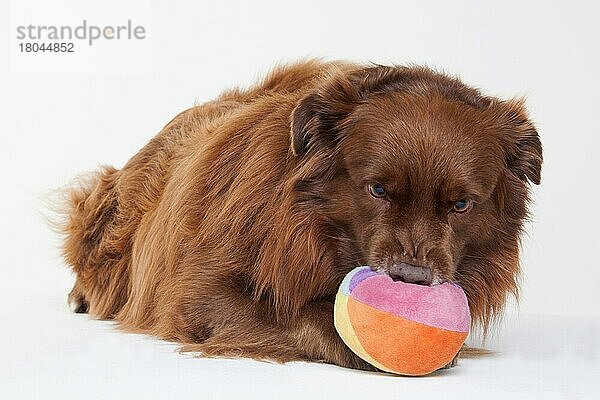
{"type": "Point", "coordinates": [56, 125]}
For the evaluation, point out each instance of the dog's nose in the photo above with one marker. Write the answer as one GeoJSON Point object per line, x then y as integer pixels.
{"type": "Point", "coordinates": [411, 273]}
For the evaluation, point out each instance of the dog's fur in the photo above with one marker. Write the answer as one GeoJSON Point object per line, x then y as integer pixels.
{"type": "Point", "coordinates": [232, 229]}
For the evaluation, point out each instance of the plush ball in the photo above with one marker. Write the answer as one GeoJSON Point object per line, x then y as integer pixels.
{"type": "Point", "coordinates": [399, 327]}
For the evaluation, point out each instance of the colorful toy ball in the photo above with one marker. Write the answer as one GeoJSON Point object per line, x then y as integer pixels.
{"type": "Point", "coordinates": [399, 327]}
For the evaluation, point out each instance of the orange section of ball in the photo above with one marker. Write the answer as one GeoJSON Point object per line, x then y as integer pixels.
{"type": "Point", "coordinates": [405, 346]}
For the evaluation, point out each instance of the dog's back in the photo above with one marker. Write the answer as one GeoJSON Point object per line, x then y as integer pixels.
{"type": "Point", "coordinates": [107, 209]}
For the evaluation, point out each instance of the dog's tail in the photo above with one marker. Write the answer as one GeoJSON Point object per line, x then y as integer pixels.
{"type": "Point", "coordinates": [88, 209]}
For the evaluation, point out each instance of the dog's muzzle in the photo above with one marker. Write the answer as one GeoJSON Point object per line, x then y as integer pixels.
{"type": "Point", "coordinates": [411, 273]}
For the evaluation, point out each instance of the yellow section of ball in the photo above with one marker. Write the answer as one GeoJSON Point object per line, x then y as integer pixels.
{"type": "Point", "coordinates": [344, 327]}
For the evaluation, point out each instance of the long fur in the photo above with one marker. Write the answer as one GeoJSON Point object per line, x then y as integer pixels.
{"type": "Point", "coordinates": [231, 230]}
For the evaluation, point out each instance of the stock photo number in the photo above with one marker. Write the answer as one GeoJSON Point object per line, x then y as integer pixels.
{"type": "Point", "coordinates": [46, 47]}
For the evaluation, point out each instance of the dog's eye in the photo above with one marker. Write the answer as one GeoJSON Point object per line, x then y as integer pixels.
{"type": "Point", "coordinates": [376, 190]}
{"type": "Point", "coordinates": [462, 206]}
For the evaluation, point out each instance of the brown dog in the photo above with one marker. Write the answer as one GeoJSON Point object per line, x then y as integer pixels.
{"type": "Point", "coordinates": [232, 229]}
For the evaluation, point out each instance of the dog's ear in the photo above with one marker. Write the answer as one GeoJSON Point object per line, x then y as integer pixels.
{"type": "Point", "coordinates": [316, 120]}
{"type": "Point", "coordinates": [522, 142]}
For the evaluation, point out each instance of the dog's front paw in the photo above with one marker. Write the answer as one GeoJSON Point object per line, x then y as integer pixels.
{"type": "Point", "coordinates": [452, 363]}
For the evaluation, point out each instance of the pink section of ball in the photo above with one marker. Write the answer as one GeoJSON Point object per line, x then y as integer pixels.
{"type": "Point", "coordinates": [442, 306]}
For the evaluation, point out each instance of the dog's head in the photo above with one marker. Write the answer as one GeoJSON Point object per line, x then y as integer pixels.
{"type": "Point", "coordinates": [420, 176]}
